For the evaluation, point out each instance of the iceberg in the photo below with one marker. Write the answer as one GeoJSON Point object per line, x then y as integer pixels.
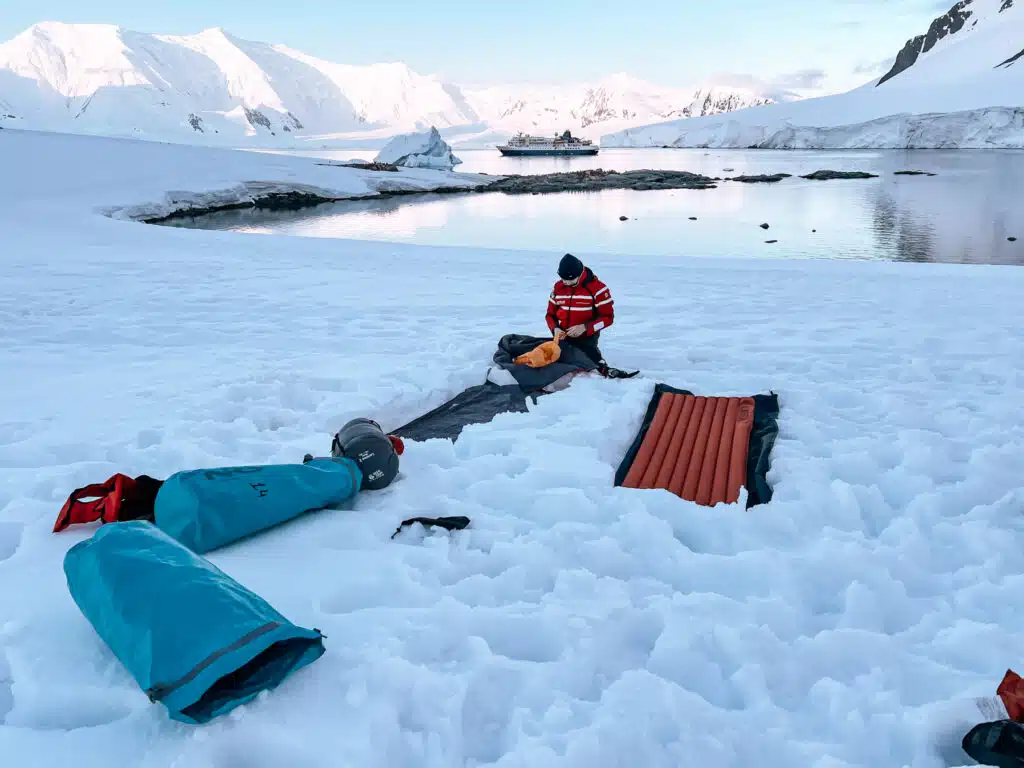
{"type": "Point", "coordinates": [425, 149]}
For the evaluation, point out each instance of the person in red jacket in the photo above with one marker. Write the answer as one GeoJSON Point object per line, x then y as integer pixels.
{"type": "Point", "coordinates": [580, 306]}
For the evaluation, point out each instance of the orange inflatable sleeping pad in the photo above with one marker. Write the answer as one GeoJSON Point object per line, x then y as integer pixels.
{"type": "Point", "coordinates": [696, 448]}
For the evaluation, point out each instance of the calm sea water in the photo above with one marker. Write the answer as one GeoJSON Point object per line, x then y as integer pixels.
{"type": "Point", "coordinates": [964, 214]}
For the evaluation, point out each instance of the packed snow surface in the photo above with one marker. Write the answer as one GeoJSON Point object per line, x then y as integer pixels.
{"type": "Point", "coordinates": [850, 622]}
{"type": "Point", "coordinates": [424, 149]}
{"type": "Point", "coordinates": [965, 91]}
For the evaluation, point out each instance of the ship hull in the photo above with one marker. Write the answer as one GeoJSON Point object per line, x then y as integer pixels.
{"type": "Point", "coordinates": [528, 152]}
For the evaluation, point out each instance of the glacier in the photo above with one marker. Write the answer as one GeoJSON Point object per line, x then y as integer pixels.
{"type": "Point", "coordinates": [965, 91]}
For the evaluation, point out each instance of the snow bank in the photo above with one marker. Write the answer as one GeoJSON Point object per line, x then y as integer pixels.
{"type": "Point", "coordinates": [573, 624]}
{"type": "Point", "coordinates": [127, 179]}
{"type": "Point", "coordinates": [424, 149]}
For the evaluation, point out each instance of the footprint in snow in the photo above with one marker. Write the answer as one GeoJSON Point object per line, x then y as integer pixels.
{"type": "Point", "coordinates": [269, 750]}
{"type": "Point", "coordinates": [65, 710]}
{"type": "Point", "coordinates": [10, 540]}
{"type": "Point", "coordinates": [148, 438]}
{"type": "Point", "coordinates": [6, 693]}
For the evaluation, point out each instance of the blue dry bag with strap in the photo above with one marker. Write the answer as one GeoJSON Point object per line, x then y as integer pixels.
{"type": "Point", "coordinates": [209, 508]}
{"type": "Point", "coordinates": [193, 638]}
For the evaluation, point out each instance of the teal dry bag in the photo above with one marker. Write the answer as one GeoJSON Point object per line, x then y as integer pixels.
{"type": "Point", "coordinates": [193, 638]}
{"type": "Point", "coordinates": [209, 508]}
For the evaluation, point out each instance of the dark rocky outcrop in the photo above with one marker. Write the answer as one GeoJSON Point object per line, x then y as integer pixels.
{"type": "Point", "coordinates": [597, 179]}
{"type": "Point", "coordinates": [289, 201]}
{"type": "Point", "coordinates": [769, 242]}
{"type": "Point", "coordinates": [912, 173]}
{"type": "Point", "coordinates": [769, 178]}
{"type": "Point", "coordinates": [365, 165]}
{"type": "Point", "coordinates": [255, 117]}
{"type": "Point", "coordinates": [949, 23]}
{"type": "Point", "coordinates": [765, 226]}
{"type": "Point", "coordinates": [1011, 60]}
{"type": "Point", "coordinates": [830, 175]}
{"type": "Point", "coordinates": [905, 59]}
{"type": "Point", "coordinates": [272, 201]}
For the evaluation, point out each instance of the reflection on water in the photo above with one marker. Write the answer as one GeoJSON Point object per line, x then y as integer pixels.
{"type": "Point", "coordinates": [962, 215]}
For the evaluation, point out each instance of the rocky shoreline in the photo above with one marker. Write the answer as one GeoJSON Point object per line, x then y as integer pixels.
{"type": "Point", "coordinates": [598, 179]}
{"type": "Point", "coordinates": [593, 180]}
{"type": "Point", "coordinates": [293, 201]}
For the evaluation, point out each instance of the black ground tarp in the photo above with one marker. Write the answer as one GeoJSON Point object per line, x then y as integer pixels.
{"type": "Point", "coordinates": [480, 404]}
{"type": "Point", "coordinates": [476, 405]}
{"type": "Point", "coordinates": [762, 439]}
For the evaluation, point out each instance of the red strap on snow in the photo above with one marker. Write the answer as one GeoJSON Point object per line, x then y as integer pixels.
{"type": "Point", "coordinates": [1011, 691]}
{"type": "Point", "coordinates": [397, 444]}
{"type": "Point", "coordinates": [105, 505]}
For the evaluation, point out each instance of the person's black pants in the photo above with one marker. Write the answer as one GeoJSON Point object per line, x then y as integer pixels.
{"type": "Point", "coordinates": [588, 346]}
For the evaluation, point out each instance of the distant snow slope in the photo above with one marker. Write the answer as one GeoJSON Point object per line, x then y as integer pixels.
{"type": "Point", "coordinates": [615, 101]}
{"type": "Point", "coordinates": [970, 61]}
{"type": "Point", "coordinates": [213, 87]}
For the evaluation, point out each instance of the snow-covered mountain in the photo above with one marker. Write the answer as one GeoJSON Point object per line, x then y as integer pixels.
{"type": "Point", "coordinates": [213, 87]}
{"type": "Point", "coordinates": [616, 98]}
{"type": "Point", "coordinates": [93, 78]}
{"type": "Point", "coordinates": [959, 84]}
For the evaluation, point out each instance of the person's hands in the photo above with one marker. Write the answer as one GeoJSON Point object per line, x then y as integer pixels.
{"type": "Point", "coordinates": [576, 331]}
{"type": "Point", "coordinates": [559, 334]}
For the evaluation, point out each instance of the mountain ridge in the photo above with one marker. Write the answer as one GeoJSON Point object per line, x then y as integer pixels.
{"type": "Point", "coordinates": [214, 87]}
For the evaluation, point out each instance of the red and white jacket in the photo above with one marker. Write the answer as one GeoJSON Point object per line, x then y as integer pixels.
{"type": "Point", "coordinates": [588, 302]}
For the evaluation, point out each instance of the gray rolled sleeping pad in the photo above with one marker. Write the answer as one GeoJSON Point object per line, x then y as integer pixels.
{"type": "Point", "coordinates": [363, 441]}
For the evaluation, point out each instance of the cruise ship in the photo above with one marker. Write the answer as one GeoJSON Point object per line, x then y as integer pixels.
{"type": "Point", "coordinates": [566, 144]}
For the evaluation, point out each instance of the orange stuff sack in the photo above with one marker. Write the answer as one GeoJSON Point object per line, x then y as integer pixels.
{"type": "Point", "coordinates": [541, 355]}
{"type": "Point", "coordinates": [1011, 691]}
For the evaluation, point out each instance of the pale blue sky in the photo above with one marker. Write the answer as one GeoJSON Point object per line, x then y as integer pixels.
{"type": "Point", "coordinates": [670, 42]}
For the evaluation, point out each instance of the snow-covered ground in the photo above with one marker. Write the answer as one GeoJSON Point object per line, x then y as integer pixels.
{"type": "Point", "coordinates": [966, 91]}
{"type": "Point", "coordinates": [848, 623]}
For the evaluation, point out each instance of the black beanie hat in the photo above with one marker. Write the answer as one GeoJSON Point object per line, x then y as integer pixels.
{"type": "Point", "coordinates": [569, 268]}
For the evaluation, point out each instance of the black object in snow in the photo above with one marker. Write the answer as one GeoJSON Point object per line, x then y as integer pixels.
{"type": "Point", "coordinates": [363, 441]}
{"type": "Point", "coordinates": [999, 743]}
{"type": "Point", "coordinates": [456, 523]}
